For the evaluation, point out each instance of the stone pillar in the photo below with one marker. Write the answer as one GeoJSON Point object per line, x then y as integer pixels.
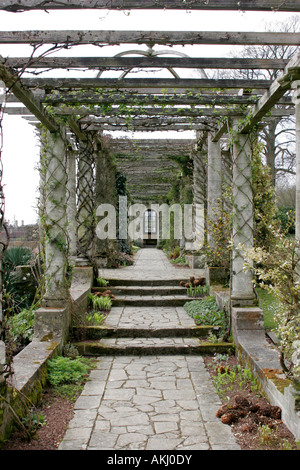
{"type": "Point", "coordinates": [86, 206]}
{"type": "Point", "coordinates": [55, 220]}
{"type": "Point", "coordinates": [199, 196]}
{"type": "Point", "coordinates": [214, 183]}
{"type": "Point", "coordinates": [296, 99]}
{"type": "Point", "coordinates": [71, 205]}
{"type": "Point", "coordinates": [242, 224]}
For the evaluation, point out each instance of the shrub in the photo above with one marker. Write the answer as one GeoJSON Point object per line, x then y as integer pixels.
{"type": "Point", "coordinates": [16, 256]}
{"type": "Point", "coordinates": [16, 294]}
{"type": "Point", "coordinates": [67, 375]}
{"type": "Point", "coordinates": [22, 327]}
{"type": "Point", "coordinates": [64, 370]}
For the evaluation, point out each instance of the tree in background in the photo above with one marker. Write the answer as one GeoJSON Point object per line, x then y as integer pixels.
{"type": "Point", "coordinates": [278, 135]}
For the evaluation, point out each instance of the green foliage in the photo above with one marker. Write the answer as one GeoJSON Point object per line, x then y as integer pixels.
{"type": "Point", "coordinates": [16, 256]}
{"type": "Point", "coordinates": [100, 302]}
{"type": "Point", "coordinates": [218, 250]}
{"type": "Point", "coordinates": [205, 312]}
{"type": "Point", "coordinates": [180, 260]}
{"type": "Point", "coordinates": [270, 305]}
{"type": "Point", "coordinates": [16, 294]}
{"type": "Point", "coordinates": [95, 318]}
{"type": "Point", "coordinates": [227, 377]}
{"type": "Point", "coordinates": [277, 271]}
{"type": "Point", "coordinates": [197, 291]}
{"type": "Point", "coordinates": [286, 218]}
{"type": "Point", "coordinates": [21, 327]}
{"type": "Point", "coordinates": [32, 422]}
{"type": "Point", "coordinates": [265, 209]}
{"type": "Point", "coordinates": [62, 370]}
{"type": "Point", "coordinates": [101, 282]}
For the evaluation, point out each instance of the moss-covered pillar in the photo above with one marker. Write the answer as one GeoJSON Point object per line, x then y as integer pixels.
{"type": "Point", "coordinates": [55, 220]}
{"type": "Point", "coordinates": [242, 220]}
{"type": "Point", "coordinates": [71, 204]}
{"type": "Point", "coordinates": [214, 184]}
{"type": "Point", "coordinates": [85, 216]}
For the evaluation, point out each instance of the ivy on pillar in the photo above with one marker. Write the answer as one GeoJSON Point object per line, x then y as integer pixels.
{"type": "Point", "coordinates": [242, 220]}
{"type": "Point", "coordinates": [71, 204]}
{"type": "Point", "coordinates": [55, 220]}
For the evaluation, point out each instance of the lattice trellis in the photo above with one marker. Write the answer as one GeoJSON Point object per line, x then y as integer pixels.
{"type": "Point", "coordinates": [242, 218]}
{"type": "Point", "coordinates": [86, 199]}
{"type": "Point", "coordinates": [54, 220]}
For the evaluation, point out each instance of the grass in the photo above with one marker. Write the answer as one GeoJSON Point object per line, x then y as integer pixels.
{"type": "Point", "coordinates": [269, 304]}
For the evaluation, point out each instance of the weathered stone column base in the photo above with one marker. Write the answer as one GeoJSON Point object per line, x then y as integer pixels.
{"type": "Point", "coordinates": [243, 300]}
{"type": "Point", "coordinates": [245, 319]}
{"type": "Point", "coordinates": [53, 322]}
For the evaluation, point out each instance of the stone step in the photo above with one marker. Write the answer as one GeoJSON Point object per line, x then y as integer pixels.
{"type": "Point", "coordinates": [143, 290]}
{"type": "Point", "coordinates": [151, 301]}
{"type": "Point", "coordinates": [145, 282]}
{"type": "Point", "coordinates": [99, 332]}
{"type": "Point", "coordinates": [151, 346]}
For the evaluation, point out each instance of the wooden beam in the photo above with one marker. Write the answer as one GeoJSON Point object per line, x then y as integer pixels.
{"type": "Point", "coordinates": [151, 99]}
{"type": "Point", "coordinates": [142, 128]}
{"type": "Point", "coordinates": [247, 5]}
{"type": "Point", "coordinates": [149, 37]}
{"type": "Point", "coordinates": [26, 97]}
{"type": "Point", "coordinates": [272, 95]}
{"type": "Point", "coordinates": [149, 111]}
{"type": "Point", "coordinates": [124, 63]}
{"type": "Point", "coordinates": [137, 83]}
{"type": "Point", "coordinates": [223, 128]}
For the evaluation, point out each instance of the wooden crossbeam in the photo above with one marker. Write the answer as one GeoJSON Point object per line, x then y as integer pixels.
{"type": "Point", "coordinates": [150, 99]}
{"type": "Point", "coordinates": [26, 97]}
{"type": "Point", "coordinates": [149, 37]}
{"type": "Point", "coordinates": [124, 63]}
{"type": "Point", "coordinates": [143, 128]}
{"type": "Point", "coordinates": [273, 94]}
{"type": "Point", "coordinates": [137, 83]}
{"type": "Point", "coordinates": [247, 5]}
{"type": "Point", "coordinates": [126, 98]}
{"type": "Point", "coordinates": [149, 111]}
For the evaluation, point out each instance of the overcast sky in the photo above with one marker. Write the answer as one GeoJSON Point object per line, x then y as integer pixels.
{"type": "Point", "coordinates": [20, 152]}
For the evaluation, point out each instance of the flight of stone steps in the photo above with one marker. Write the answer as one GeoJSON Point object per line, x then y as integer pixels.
{"type": "Point", "coordinates": [147, 318]}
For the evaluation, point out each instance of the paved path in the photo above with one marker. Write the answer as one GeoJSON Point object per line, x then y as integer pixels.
{"type": "Point", "coordinates": [148, 402]}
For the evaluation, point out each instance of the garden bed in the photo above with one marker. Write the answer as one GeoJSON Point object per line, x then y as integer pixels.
{"type": "Point", "coordinates": [256, 425]}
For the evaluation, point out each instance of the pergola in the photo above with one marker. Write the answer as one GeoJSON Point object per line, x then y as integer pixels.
{"type": "Point", "coordinates": [74, 112]}
{"type": "Point", "coordinates": [79, 102]}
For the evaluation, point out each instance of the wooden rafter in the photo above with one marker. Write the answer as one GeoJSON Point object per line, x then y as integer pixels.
{"type": "Point", "coordinates": [150, 99]}
{"type": "Point", "coordinates": [248, 5]}
{"type": "Point", "coordinates": [149, 37]}
{"type": "Point", "coordinates": [148, 111]}
{"type": "Point", "coordinates": [137, 83]}
{"type": "Point", "coordinates": [123, 63]}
